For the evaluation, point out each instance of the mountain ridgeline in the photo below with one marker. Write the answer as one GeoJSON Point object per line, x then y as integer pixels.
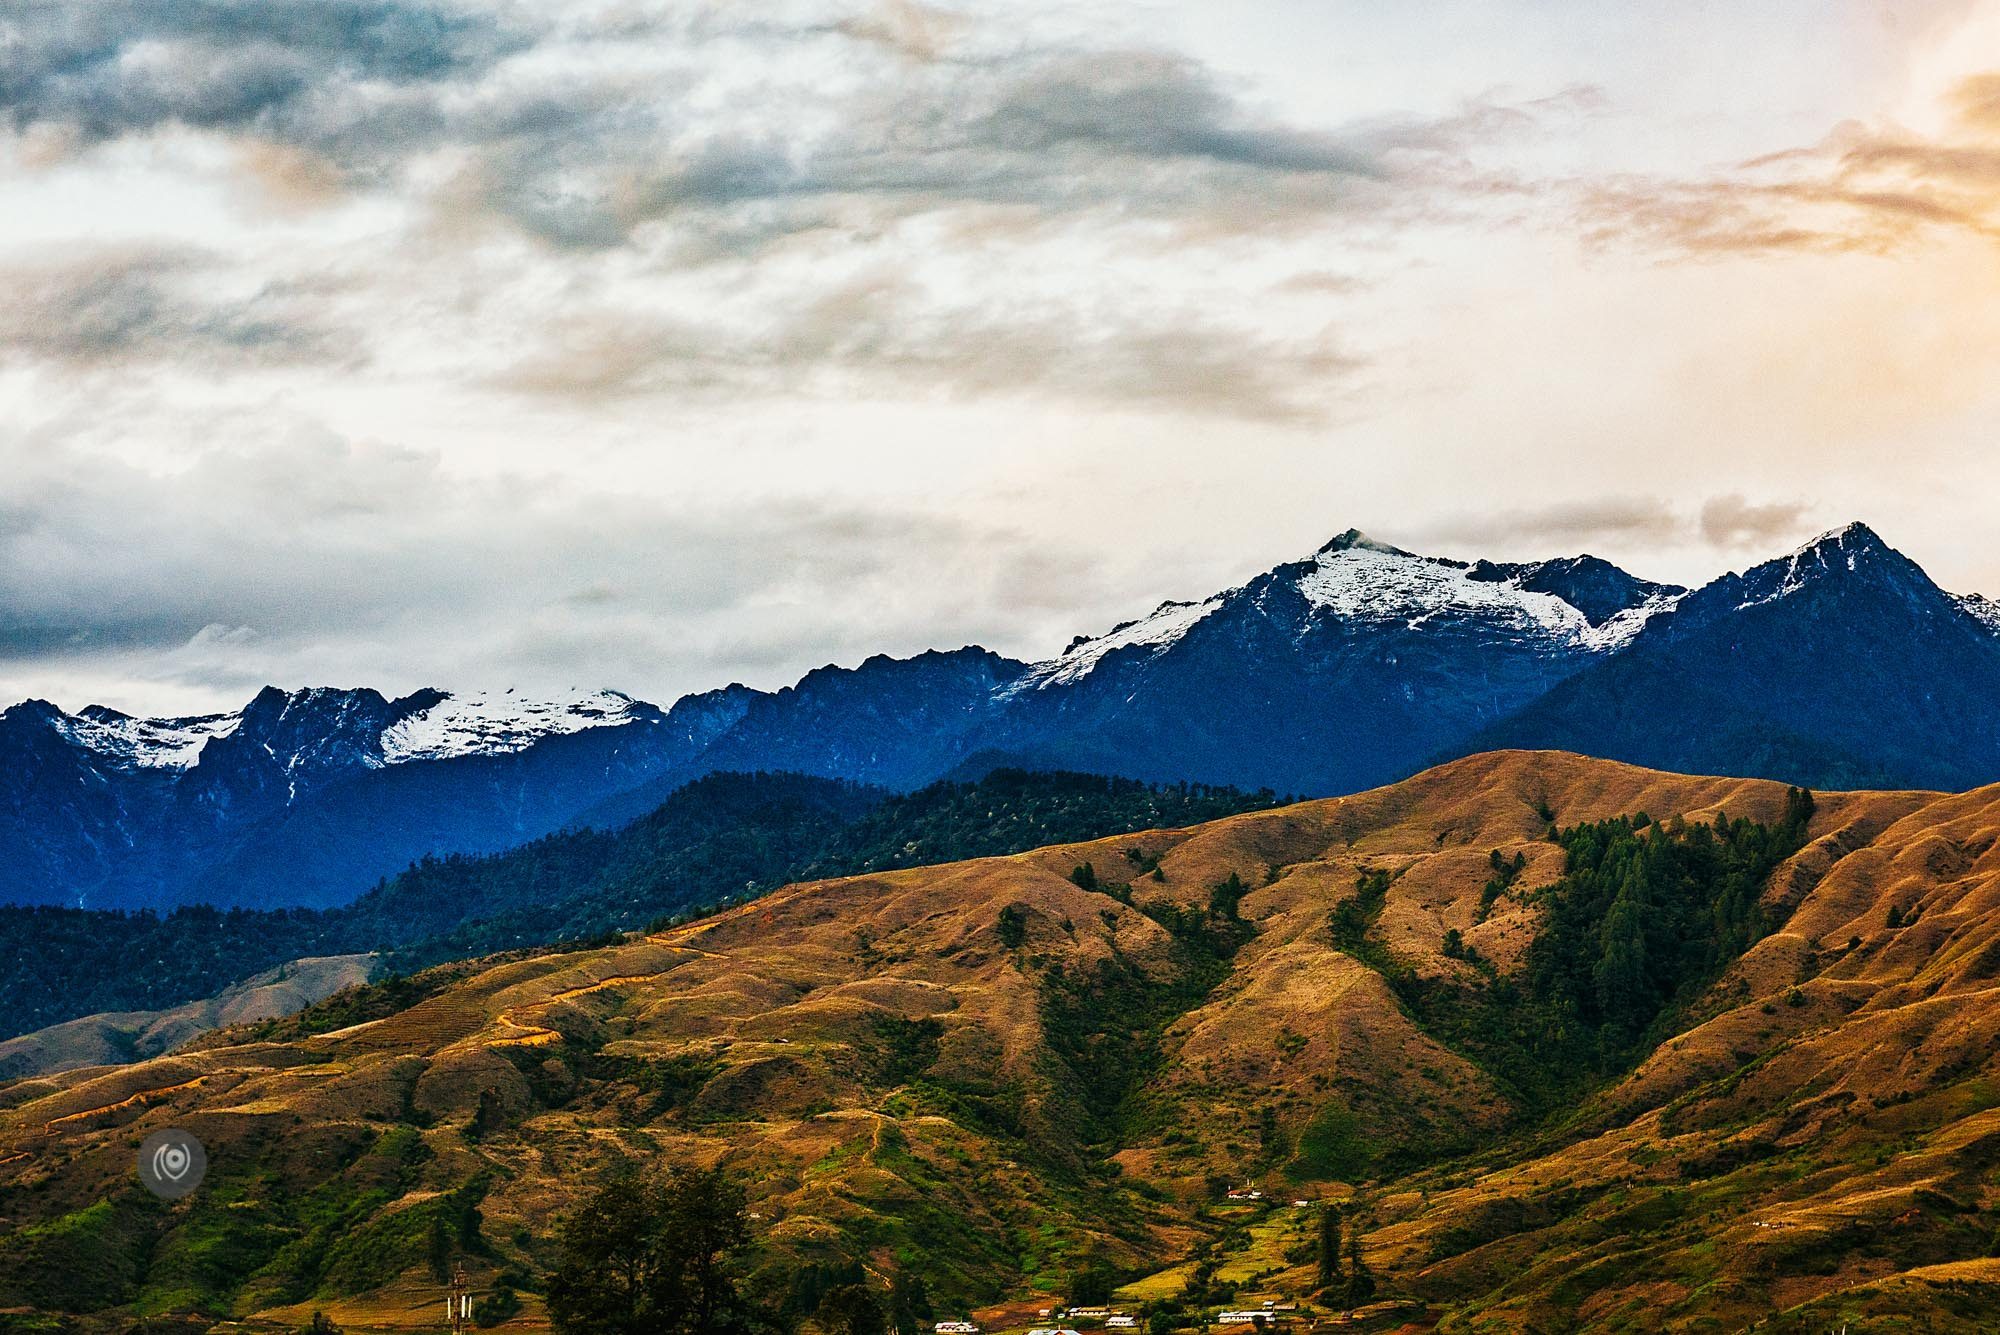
{"type": "Point", "coordinates": [1842, 666]}
{"type": "Point", "coordinates": [1839, 665]}
{"type": "Point", "coordinates": [716, 841]}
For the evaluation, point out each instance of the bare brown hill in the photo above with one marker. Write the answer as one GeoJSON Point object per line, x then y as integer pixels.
{"type": "Point", "coordinates": [999, 1072]}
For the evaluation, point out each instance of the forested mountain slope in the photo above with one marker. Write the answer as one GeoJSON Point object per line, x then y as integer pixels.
{"type": "Point", "coordinates": [720, 839]}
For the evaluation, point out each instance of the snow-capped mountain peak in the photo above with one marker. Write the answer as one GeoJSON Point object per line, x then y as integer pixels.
{"type": "Point", "coordinates": [1367, 581]}
{"type": "Point", "coordinates": [1360, 581]}
{"type": "Point", "coordinates": [499, 722]}
{"type": "Point", "coordinates": [1851, 549]}
{"type": "Point", "coordinates": [1355, 540]}
{"type": "Point", "coordinates": [308, 796]}
{"type": "Point", "coordinates": [148, 743]}
{"type": "Point", "coordinates": [315, 729]}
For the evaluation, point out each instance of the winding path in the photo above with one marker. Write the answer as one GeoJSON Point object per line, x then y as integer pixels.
{"type": "Point", "coordinates": [528, 1035]}
{"type": "Point", "coordinates": [141, 1099]}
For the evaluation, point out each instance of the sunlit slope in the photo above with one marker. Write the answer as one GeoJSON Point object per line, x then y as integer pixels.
{"type": "Point", "coordinates": [999, 1070]}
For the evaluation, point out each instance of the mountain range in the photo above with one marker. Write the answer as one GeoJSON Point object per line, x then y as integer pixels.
{"type": "Point", "coordinates": [1839, 665]}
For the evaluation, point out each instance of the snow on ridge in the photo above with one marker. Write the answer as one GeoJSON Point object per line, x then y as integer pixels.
{"type": "Point", "coordinates": [1620, 629]}
{"type": "Point", "coordinates": [1983, 609]}
{"type": "Point", "coordinates": [1802, 562]}
{"type": "Point", "coordinates": [1366, 584]}
{"type": "Point", "coordinates": [1358, 579]}
{"type": "Point", "coordinates": [151, 743]}
{"type": "Point", "coordinates": [1159, 631]}
{"type": "Point", "coordinates": [1837, 537]}
{"type": "Point", "coordinates": [477, 723]}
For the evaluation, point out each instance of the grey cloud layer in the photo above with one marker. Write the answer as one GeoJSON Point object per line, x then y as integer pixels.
{"type": "Point", "coordinates": [582, 157]}
{"type": "Point", "coordinates": [615, 140]}
{"type": "Point", "coordinates": [320, 559]}
{"type": "Point", "coordinates": [114, 67]}
{"type": "Point", "coordinates": [114, 307]}
{"type": "Point", "coordinates": [883, 327]}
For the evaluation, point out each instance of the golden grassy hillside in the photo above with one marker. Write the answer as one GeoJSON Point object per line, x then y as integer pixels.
{"type": "Point", "coordinates": [895, 1080]}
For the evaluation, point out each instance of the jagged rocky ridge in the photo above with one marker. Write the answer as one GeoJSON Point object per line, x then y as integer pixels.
{"type": "Point", "coordinates": [1841, 664]}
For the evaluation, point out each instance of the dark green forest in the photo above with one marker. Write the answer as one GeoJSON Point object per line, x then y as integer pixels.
{"type": "Point", "coordinates": [1645, 916]}
{"type": "Point", "coordinates": [719, 840]}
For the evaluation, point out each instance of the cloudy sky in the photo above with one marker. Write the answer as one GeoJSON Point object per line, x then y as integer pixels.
{"type": "Point", "coordinates": [655, 345]}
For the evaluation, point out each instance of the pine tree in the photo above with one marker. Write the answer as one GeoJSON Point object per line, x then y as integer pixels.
{"type": "Point", "coordinates": [1329, 1248]}
{"type": "Point", "coordinates": [1621, 972]}
{"type": "Point", "coordinates": [1224, 898]}
{"type": "Point", "coordinates": [851, 1309]}
{"type": "Point", "coordinates": [909, 1302]}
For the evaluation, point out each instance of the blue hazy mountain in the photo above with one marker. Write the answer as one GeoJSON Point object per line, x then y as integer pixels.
{"type": "Point", "coordinates": [1345, 670]}
{"type": "Point", "coordinates": [1841, 664]}
{"type": "Point", "coordinates": [308, 797]}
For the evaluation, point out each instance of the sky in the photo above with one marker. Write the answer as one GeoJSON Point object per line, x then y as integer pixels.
{"type": "Point", "coordinates": [662, 345]}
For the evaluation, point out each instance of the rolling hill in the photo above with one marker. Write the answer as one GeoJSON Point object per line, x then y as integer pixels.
{"type": "Point", "coordinates": [1001, 1073]}
{"type": "Point", "coordinates": [125, 1036]}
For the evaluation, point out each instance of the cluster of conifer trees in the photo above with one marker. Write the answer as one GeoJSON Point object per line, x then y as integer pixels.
{"type": "Point", "coordinates": [1644, 916]}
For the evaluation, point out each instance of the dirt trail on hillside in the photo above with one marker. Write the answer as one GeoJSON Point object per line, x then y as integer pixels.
{"type": "Point", "coordinates": [142, 1098]}
{"type": "Point", "coordinates": [536, 1035]}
